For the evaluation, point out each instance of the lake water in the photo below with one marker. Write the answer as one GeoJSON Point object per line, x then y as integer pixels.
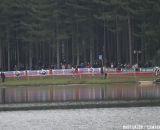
{"type": "Point", "coordinates": [82, 119]}
{"type": "Point", "coordinates": [64, 93]}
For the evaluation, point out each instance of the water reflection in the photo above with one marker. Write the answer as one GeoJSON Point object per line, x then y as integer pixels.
{"type": "Point", "coordinates": [78, 93]}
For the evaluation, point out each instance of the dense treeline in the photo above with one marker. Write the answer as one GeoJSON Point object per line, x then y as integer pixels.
{"type": "Point", "coordinates": [50, 32]}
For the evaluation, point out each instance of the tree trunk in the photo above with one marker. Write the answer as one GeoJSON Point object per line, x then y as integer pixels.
{"type": "Point", "coordinates": [63, 50]}
{"type": "Point", "coordinates": [91, 49]}
{"type": "Point", "coordinates": [67, 51]}
{"type": "Point", "coordinates": [84, 51]}
{"type": "Point", "coordinates": [108, 46]}
{"type": "Point", "coordinates": [118, 53]}
{"type": "Point", "coordinates": [77, 43]}
{"type": "Point", "coordinates": [1, 56]}
{"type": "Point", "coordinates": [43, 53]}
{"type": "Point", "coordinates": [58, 55]}
{"type": "Point", "coordinates": [17, 54]}
{"type": "Point", "coordinates": [117, 41]}
{"type": "Point", "coordinates": [49, 55]}
{"type": "Point", "coordinates": [53, 53]}
{"type": "Point", "coordinates": [143, 45]}
{"type": "Point", "coordinates": [126, 53]}
{"type": "Point", "coordinates": [96, 43]}
{"type": "Point", "coordinates": [130, 39]}
{"type": "Point", "coordinates": [37, 54]}
{"type": "Point", "coordinates": [30, 56]}
{"type": "Point", "coordinates": [73, 49]}
{"type": "Point", "coordinates": [104, 42]}
{"type": "Point", "coordinates": [78, 54]}
{"type": "Point", "coordinates": [111, 45]}
{"type": "Point", "coordinates": [57, 31]}
{"type": "Point", "coordinates": [8, 51]}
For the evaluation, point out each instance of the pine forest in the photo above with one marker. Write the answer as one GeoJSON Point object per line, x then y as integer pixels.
{"type": "Point", "coordinates": [49, 33]}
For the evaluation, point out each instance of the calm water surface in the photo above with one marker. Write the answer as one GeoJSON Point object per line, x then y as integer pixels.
{"type": "Point", "coordinates": [80, 119]}
{"type": "Point", "coordinates": [78, 93]}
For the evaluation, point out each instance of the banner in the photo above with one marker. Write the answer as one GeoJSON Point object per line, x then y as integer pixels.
{"type": "Point", "coordinates": [67, 72]}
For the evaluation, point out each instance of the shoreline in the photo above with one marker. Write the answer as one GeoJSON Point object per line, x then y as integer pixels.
{"type": "Point", "coordinates": [71, 84]}
{"type": "Point", "coordinates": [71, 81]}
{"type": "Point", "coordinates": [79, 105]}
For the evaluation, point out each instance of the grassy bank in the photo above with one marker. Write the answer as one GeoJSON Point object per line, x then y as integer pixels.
{"type": "Point", "coordinates": [71, 80]}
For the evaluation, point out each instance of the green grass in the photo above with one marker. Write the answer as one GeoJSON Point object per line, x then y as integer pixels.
{"type": "Point", "coordinates": [70, 80]}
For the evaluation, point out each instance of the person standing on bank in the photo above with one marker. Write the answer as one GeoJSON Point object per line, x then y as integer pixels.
{"type": "Point", "coordinates": [3, 76]}
{"type": "Point", "coordinates": [102, 70]}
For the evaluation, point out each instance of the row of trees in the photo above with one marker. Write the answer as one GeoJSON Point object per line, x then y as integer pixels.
{"type": "Point", "coordinates": [47, 32]}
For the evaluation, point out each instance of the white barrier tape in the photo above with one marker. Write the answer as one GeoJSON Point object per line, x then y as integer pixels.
{"type": "Point", "coordinates": [61, 72]}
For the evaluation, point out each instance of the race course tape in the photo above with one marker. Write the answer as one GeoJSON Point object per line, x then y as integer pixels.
{"type": "Point", "coordinates": [71, 72]}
